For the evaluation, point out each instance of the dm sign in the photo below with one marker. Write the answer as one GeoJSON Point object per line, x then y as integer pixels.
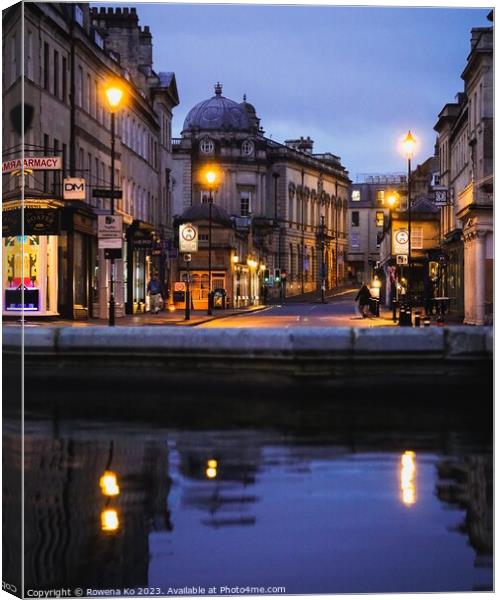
{"type": "Point", "coordinates": [74, 188]}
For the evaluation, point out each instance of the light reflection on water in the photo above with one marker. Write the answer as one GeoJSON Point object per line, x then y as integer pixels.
{"type": "Point", "coordinates": [117, 505]}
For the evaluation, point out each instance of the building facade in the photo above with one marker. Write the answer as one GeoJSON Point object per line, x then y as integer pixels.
{"type": "Point", "coordinates": [71, 53]}
{"type": "Point", "coordinates": [367, 215]}
{"type": "Point", "coordinates": [465, 130]}
{"type": "Point", "coordinates": [287, 205]}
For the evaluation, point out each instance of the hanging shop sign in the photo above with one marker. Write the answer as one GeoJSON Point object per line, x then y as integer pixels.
{"type": "Point", "coordinates": [400, 241]}
{"type": "Point", "coordinates": [402, 259]}
{"type": "Point", "coordinates": [109, 231]}
{"type": "Point", "coordinates": [188, 238]}
{"type": "Point", "coordinates": [34, 163]}
{"type": "Point", "coordinates": [37, 221]}
{"type": "Point", "coordinates": [74, 188]}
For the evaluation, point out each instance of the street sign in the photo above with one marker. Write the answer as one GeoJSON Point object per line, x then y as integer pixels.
{"type": "Point", "coordinates": [74, 188]}
{"type": "Point", "coordinates": [109, 226]}
{"type": "Point", "coordinates": [188, 238]}
{"type": "Point", "coordinates": [115, 253]}
{"type": "Point", "coordinates": [105, 243]}
{"type": "Point", "coordinates": [106, 193]}
{"type": "Point", "coordinates": [441, 198]}
{"type": "Point", "coordinates": [180, 286]}
{"type": "Point", "coordinates": [402, 259]}
{"type": "Point", "coordinates": [187, 257]}
{"type": "Point", "coordinates": [400, 241]}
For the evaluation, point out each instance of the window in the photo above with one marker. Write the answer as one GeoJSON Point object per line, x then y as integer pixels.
{"type": "Point", "coordinates": [380, 196]}
{"type": "Point", "coordinates": [78, 15]}
{"type": "Point", "coordinates": [29, 56]}
{"type": "Point", "coordinates": [206, 146]}
{"type": "Point", "coordinates": [247, 148]}
{"type": "Point", "coordinates": [354, 240]}
{"type": "Point", "coordinates": [417, 238]}
{"type": "Point", "coordinates": [13, 58]}
{"type": "Point", "coordinates": [356, 195]}
{"type": "Point", "coordinates": [79, 87]}
{"type": "Point", "coordinates": [56, 73]}
{"type": "Point", "coordinates": [355, 218]}
{"type": "Point", "coordinates": [88, 95]}
{"type": "Point", "coordinates": [46, 61]}
{"type": "Point", "coordinates": [379, 218]}
{"type": "Point", "coordinates": [245, 198]}
{"type": "Point", "coordinates": [64, 79]}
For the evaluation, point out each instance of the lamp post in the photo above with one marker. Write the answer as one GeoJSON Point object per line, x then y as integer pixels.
{"type": "Point", "coordinates": [277, 224]}
{"type": "Point", "coordinates": [210, 176]}
{"type": "Point", "coordinates": [323, 267]}
{"type": "Point", "coordinates": [392, 201]}
{"type": "Point", "coordinates": [409, 144]}
{"type": "Point", "coordinates": [114, 97]}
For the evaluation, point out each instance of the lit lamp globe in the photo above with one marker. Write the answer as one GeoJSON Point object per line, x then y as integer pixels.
{"type": "Point", "coordinates": [114, 97]}
{"type": "Point", "coordinates": [409, 145]}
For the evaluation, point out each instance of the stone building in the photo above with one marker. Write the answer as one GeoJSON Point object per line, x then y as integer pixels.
{"type": "Point", "coordinates": [368, 213]}
{"type": "Point", "coordinates": [70, 54]}
{"type": "Point", "coordinates": [276, 197]}
{"type": "Point", "coordinates": [465, 138]}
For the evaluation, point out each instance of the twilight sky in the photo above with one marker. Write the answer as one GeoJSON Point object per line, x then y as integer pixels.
{"type": "Point", "coordinates": [355, 79]}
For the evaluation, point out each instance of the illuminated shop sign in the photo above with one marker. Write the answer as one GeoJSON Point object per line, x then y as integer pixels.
{"type": "Point", "coordinates": [37, 221]}
{"type": "Point", "coordinates": [35, 163]}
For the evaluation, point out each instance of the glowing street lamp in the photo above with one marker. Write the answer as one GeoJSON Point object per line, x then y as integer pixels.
{"type": "Point", "coordinates": [109, 484]}
{"type": "Point", "coordinates": [409, 145]}
{"type": "Point", "coordinates": [115, 95]}
{"type": "Point", "coordinates": [211, 178]}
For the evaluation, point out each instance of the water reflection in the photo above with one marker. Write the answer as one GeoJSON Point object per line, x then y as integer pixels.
{"type": "Point", "coordinates": [115, 505]}
{"type": "Point", "coordinates": [408, 470]}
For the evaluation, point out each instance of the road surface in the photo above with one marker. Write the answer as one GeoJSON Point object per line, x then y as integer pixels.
{"type": "Point", "coordinates": [341, 310]}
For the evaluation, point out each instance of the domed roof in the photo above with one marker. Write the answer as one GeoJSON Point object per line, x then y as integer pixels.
{"type": "Point", "coordinates": [217, 112]}
{"type": "Point", "coordinates": [199, 212]}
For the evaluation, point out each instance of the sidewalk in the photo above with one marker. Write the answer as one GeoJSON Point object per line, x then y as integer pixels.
{"type": "Point", "coordinates": [163, 318]}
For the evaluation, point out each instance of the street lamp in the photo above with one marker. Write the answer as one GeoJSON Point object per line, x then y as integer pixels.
{"type": "Point", "coordinates": [114, 95]}
{"type": "Point", "coordinates": [409, 144]}
{"type": "Point", "coordinates": [210, 176]}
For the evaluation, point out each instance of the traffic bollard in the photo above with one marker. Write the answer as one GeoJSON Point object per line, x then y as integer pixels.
{"type": "Point", "coordinates": [440, 321]}
{"type": "Point", "coordinates": [427, 322]}
{"type": "Point", "coordinates": [417, 318]}
{"type": "Point", "coordinates": [394, 310]}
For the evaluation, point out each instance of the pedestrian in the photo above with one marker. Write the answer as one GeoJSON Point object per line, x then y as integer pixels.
{"type": "Point", "coordinates": [363, 298]}
{"type": "Point", "coordinates": [155, 296]}
{"type": "Point", "coordinates": [428, 296]}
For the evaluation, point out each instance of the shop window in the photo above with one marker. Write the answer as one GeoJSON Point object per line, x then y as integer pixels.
{"type": "Point", "coordinates": [379, 218]}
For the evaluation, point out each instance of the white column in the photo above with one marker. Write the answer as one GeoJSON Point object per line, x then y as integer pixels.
{"type": "Point", "coordinates": [480, 277]}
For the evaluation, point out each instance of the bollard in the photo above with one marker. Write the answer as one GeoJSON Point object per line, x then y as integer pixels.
{"type": "Point", "coordinates": [440, 321]}
{"type": "Point", "coordinates": [394, 310]}
{"type": "Point", "coordinates": [402, 316]}
{"type": "Point", "coordinates": [427, 322]}
{"type": "Point", "coordinates": [417, 318]}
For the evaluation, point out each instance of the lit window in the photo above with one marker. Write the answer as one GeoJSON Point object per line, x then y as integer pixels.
{"type": "Point", "coordinates": [356, 195]}
{"type": "Point", "coordinates": [379, 218]}
{"type": "Point", "coordinates": [417, 238]}
{"type": "Point", "coordinates": [380, 196]}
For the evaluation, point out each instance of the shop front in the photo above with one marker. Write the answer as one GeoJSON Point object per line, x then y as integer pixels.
{"type": "Point", "coordinates": [47, 260]}
{"type": "Point", "coordinates": [139, 266]}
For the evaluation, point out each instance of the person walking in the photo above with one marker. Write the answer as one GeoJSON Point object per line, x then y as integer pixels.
{"type": "Point", "coordinates": [363, 298]}
{"type": "Point", "coordinates": [154, 291]}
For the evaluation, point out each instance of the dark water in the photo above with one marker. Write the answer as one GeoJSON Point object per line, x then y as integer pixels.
{"type": "Point", "coordinates": [307, 499]}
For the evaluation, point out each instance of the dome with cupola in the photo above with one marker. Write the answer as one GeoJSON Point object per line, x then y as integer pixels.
{"type": "Point", "coordinates": [217, 113]}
